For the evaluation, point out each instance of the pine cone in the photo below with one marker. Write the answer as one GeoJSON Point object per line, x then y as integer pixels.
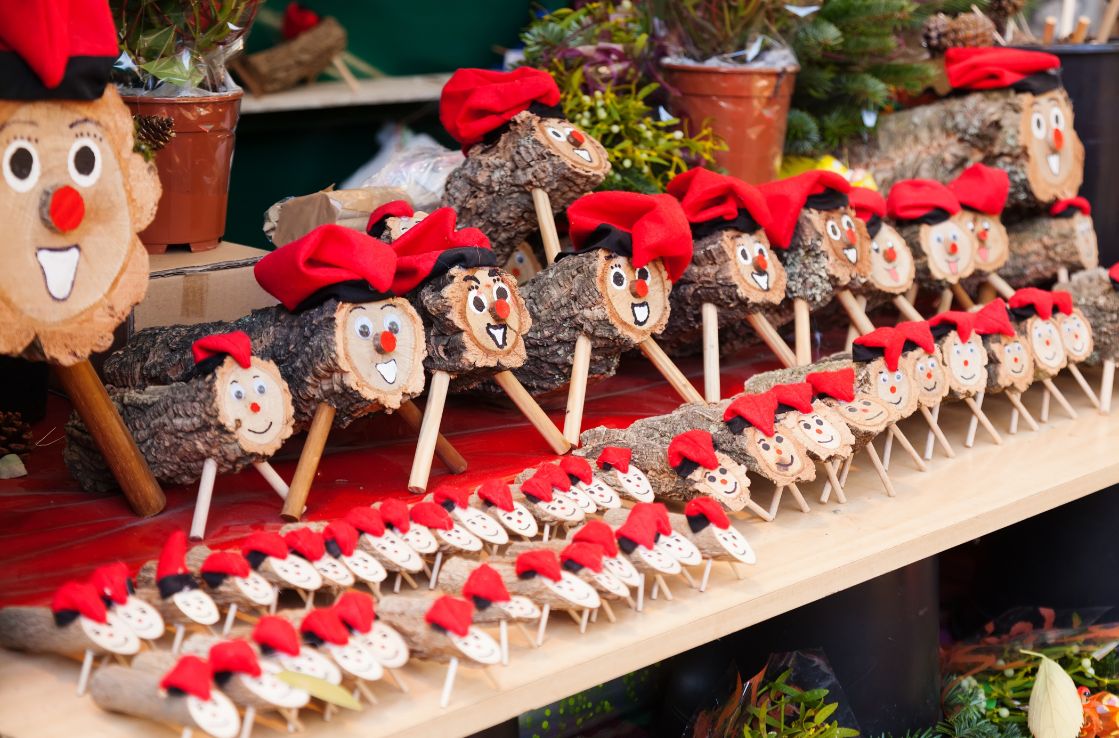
{"type": "Point", "coordinates": [1000, 11]}
{"type": "Point", "coordinates": [154, 131]}
{"type": "Point", "coordinates": [15, 435]}
{"type": "Point", "coordinates": [970, 29]}
{"type": "Point", "coordinates": [935, 32]}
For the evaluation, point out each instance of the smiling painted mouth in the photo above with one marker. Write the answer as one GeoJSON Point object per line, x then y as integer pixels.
{"type": "Point", "coordinates": [761, 279]}
{"type": "Point", "coordinates": [929, 389]}
{"type": "Point", "coordinates": [584, 155]}
{"type": "Point", "coordinates": [732, 490]}
{"type": "Point", "coordinates": [875, 417]}
{"type": "Point", "coordinates": [640, 313]}
{"type": "Point", "coordinates": [969, 378]}
{"type": "Point", "coordinates": [1049, 358]}
{"type": "Point", "coordinates": [260, 432]}
{"type": "Point", "coordinates": [60, 267]}
{"type": "Point", "coordinates": [898, 403]}
{"type": "Point", "coordinates": [851, 253]}
{"type": "Point", "coordinates": [498, 334]}
{"type": "Point", "coordinates": [825, 441]}
{"type": "Point", "coordinates": [1054, 162]}
{"type": "Point", "coordinates": [787, 464]}
{"type": "Point", "coordinates": [387, 370]}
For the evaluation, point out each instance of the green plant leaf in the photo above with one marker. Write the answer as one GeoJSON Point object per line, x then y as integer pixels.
{"type": "Point", "coordinates": [824, 712]}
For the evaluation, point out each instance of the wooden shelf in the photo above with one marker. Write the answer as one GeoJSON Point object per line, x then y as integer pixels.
{"type": "Point", "coordinates": [379, 91]}
{"type": "Point", "coordinates": [801, 558]}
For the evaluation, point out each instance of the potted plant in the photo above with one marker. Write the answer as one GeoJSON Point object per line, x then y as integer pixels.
{"type": "Point", "coordinates": [173, 66]}
{"type": "Point", "coordinates": [727, 74]}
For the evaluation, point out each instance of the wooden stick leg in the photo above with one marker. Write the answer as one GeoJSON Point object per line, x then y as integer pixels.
{"type": "Point", "coordinates": [100, 416]}
{"type": "Point", "coordinates": [712, 390]}
{"type": "Point", "coordinates": [641, 595]}
{"type": "Point", "coordinates": [429, 431]}
{"type": "Point", "coordinates": [606, 608]}
{"type": "Point", "coordinates": [932, 417]}
{"type": "Point", "coordinates": [230, 617]}
{"type": "Point", "coordinates": [1001, 286]}
{"type": "Point", "coordinates": [577, 390]}
{"type": "Point", "coordinates": [1045, 398]}
{"type": "Point", "coordinates": [984, 421]}
{"type": "Point", "coordinates": [877, 462]}
{"type": "Point", "coordinates": [962, 296]}
{"type": "Point", "coordinates": [411, 414]}
{"type": "Point", "coordinates": [776, 501]}
{"type": "Point", "coordinates": [846, 469]}
{"type": "Point", "coordinates": [448, 683]}
{"type": "Point", "coordinates": [1062, 271]}
{"type": "Point", "coordinates": [945, 301]}
{"type": "Point", "coordinates": [1016, 400]}
{"type": "Point", "coordinates": [1086, 388]}
{"type": "Point", "coordinates": [543, 626]}
{"type": "Point", "coordinates": [887, 451]}
{"type": "Point", "coordinates": [524, 633]}
{"type": "Point", "coordinates": [202, 504]}
{"type": "Point", "coordinates": [655, 590]}
{"type": "Point", "coordinates": [1014, 415]}
{"type": "Point", "coordinates": [664, 587]}
{"type": "Point", "coordinates": [532, 411]}
{"type": "Point", "coordinates": [177, 643]}
{"type": "Point", "coordinates": [503, 640]}
{"type": "Point", "coordinates": [758, 510]}
{"type": "Point", "coordinates": [275, 481]}
{"type": "Point", "coordinates": [801, 503]}
{"type": "Point", "coordinates": [87, 667]}
{"type": "Point", "coordinates": [973, 424]}
{"type": "Point", "coordinates": [855, 312]}
{"type": "Point", "coordinates": [706, 575]}
{"type": "Point", "coordinates": [435, 570]}
{"type": "Point", "coordinates": [1059, 397]}
{"type": "Point", "coordinates": [803, 327]}
{"type": "Point", "coordinates": [577, 619]}
{"type": "Point", "coordinates": [308, 464]}
{"type": "Point", "coordinates": [584, 620]}
{"type": "Point", "coordinates": [345, 73]}
{"type": "Point", "coordinates": [905, 307]}
{"type": "Point", "coordinates": [247, 721]}
{"type": "Point", "coordinates": [736, 571]}
{"type": "Point", "coordinates": [833, 480]}
{"type": "Point", "coordinates": [1107, 383]}
{"type": "Point", "coordinates": [654, 353]}
{"type": "Point", "coordinates": [908, 447]}
{"type": "Point", "coordinates": [772, 338]}
{"type": "Point", "coordinates": [491, 678]}
{"type": "Point", "coordinates": [688, 577]}
{"type": "Point", "coordinates": [547, 221]}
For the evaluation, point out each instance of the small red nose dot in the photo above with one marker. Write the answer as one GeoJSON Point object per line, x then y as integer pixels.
{"type": "Point", "coordinates": [1058, 139]}
{"type": "Point", "coordinates": [501, 309]}
{"type": "Point", "coordinates": [388, 342]}
{"type": "Point", "coordinates": [255, 407]}
{"type": "Point", "coordinates": [723, 482]}
{"type": "Point", "coordinates": [953, 248]}
{"type": "Point", "coordinates": [67, 208]}
{"type": "Point", "coordinates": [1076, 336]}
{"type": "Point", "coordinates": [640, 288]}
{"type": "Point", "coordinates": [983, 235]}
{"type": "Point", "coordinates": [819, 432]}
{"type": "Point", "coordinates": [965, 362]}
{"type": "Point", "coordinates": [576, 138]}
{"type": "Point", "coordinates": [891, 254]}
{"type": "Point", "coordinates": [851, 237]}
{"type": "Point", "coordinates": [760, 263]}
{"type": "Point", "coordinates": [928, 375]}
{"type": "Point", "coordinates": [1015, 359]}
{"type": "Point", "coordinates": [778, 451]}
{"type": "Point", "coordinates": [1047, 342]}
{"type": "Point", "coordinates": [893, 390]}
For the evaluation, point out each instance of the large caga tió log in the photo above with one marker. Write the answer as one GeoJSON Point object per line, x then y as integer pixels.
{"type": "Point", "coordinates": [492, 189]}
{"type": "Point", "coordinates": [1014, 131]}
{"type": "Point", "coordinates": [287, 64]}
{"type": "Point", "coordinates": [326, 354]}
{"type": "Point", "coordinates": [179, 426]}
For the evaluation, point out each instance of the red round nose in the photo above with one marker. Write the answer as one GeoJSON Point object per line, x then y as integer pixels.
{"type": "Point", "coordinates": [1046, 341]}
{"type": "Point", "coordinates": [761, 264]}
{"type": "Point", "coordinates": [890, 254]}
{"type": "Point", "coordinates": [640, 288]}
{"type": "Point", "coordinates": [66, 209]}
{"type": "Point", "coordinates": [1058, 139]}
{"type": "Point", "coordinates": [778, 451]}
{"type": "Point", "coordinates": [1015, 359]}
{"type": "Point", "coordinates": [953, 248]}
{"type": "Point", "coordinates": [501, 309]}
{"type": "Point", "coordinates": [851, 237]}
{"type": "Point", "coordinates": [723, 482]}
{"type": "Point", "coordinates": [819, 432]}
{"type": "Point", "coordinates": [255, 407]}
{"type": "Point", "coordinates": [893, 390]}
{"type": "Point", "coordinates": [965, 362]}
{"type": "Point", "coordinates": [386, 342]}
{"type": "Point", "coordinates": [928, 375]}
{"type": "Point", "coordinates": [576, 138]}
{"type": "Point", "coordinates": [983, 235]}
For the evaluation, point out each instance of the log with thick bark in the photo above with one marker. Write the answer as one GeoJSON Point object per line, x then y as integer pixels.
{"type": "Point", "coordinates": [1030, 136]}
{"type": "Point", "coordinates": [457, 570]}
{"type": "Point", "coordinates": [287, 64]}
{"type": "Point", "coordinates": [1010, 364]}
{"type": "Point", "coordinates": [492, 189]}
{"type": "Point", "coordinates": [233, 415]}
{"type": "Point", "coordinates": [821, 260]}
{"type": "Point", "coordinates": [330, 354]}
{"type": "Point", "coordinates": [136, 692]}
{"type": "Point", "coordinates": [406, 615]}
{"type": "Point", "coordinates": [35, 630]}
{"type": "Point", "coordinates": [1093, 292]}
{"type": "Point", "coordinates": [1041, 246]}
{"type": "Point", "coordinates": [943, 253]}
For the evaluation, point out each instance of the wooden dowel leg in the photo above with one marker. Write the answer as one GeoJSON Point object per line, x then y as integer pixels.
{"type": "Point", "coordinates": [887, 451]}
{"type": "Point", "coordinates": [1045, 399]}
{"type": "Point", "coordinates": [275, 481]}
{"type": "Point", "coordinates": [429, 431]}
{"type": "Point", "coordinates": [775, 503]}
{"type": "Point", "coordinates": [640, 595]}
{"type": "Point", "coordinates": [945, 301]}
{"type": "Point", "coordinates": [547, 221]}
{"type": "Point", "coordinates": [448, 683]}
{"type": "Point", "coordinates": [411, 414]}
{"type": "Point", "coordinates": [855, 312]}
{"type": "Point", "coordinates": [905, 307]}
{"type": "Point", "coordinates": [83, 676]}
{"type": "Point", "coordinates": [1086, 388]}
{"type": "Point", "coordinates": [202, 504]}
{"type": "Point", "coordinates": [706, 575]}
{"type": "Point", "coordinates": [1107, 383]}
{"type": "Point", "coordinates": [932, 417]}
{"type": "Point", "coordinates": [668, 369]}
{"type": "Point", "coordinates": [543, 625]}
{"type": "Point", "coordinates": [962, 296]}
{"type": "Point", "coordinates": [1062, 271]}
{"type": "Point", "coordinates": [846, 469]}
{"type": "Point", "coordinates": [1001, 286]}
{"type": "Point", "coordinates": [577, 390]}
{"type": "Point", "coordinates": [247, 722]}
{"type": "Point", "coordinates": [100, 416]}
{"type": "Point", "coordinates": [802, 323]}
{"type": "Point", "coordinates": [503, 641]}
{"type": "Point", "coordinates": [801, 502]}
{"type": "Point", "coordinates": [973, 424]}
{"type": "Point", "coordinates": [905, 444]}
{"type": "Point", "coordinates": [772, 338]}
{"type": "Point", "coordinates": [983, 419]}
{"type": "Point", "coordinates": [877, 462]}
{"type": "Point", "coordinates": [712, 390]}
{"type": "Point", "coordinates": [230, 617]}
{"type": "Point", "coordinates": [606, 608]}
{"type": "Point", "coordinates": [664, 588]}
{"type": "Point", "coordinates": [308, 464]}
{"type": "Point", "coordinates": [434, 579]}
{"type": "Point", "coordinates": [833, 480]}
{"type": "Point", "coordinates": [532, 411]}
{"type": "Point", "coordinates": [1059, 397]}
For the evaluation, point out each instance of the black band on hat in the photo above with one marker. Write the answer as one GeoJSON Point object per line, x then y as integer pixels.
{"type": "Point", "coordinates": [1039, 83]}
{"type": "Point", "coordinates": [354, 290]}
{"type": "Point", "coordinates": [572, 566]}
{"type": "Point", "coordinates": [527, 574]}
{"type": "Point", "coordinates": [448, 505]}
{"type": "Point", "coordinates": [1018, 314]}
{"type": "Point", "coordinates": [782, 408]}
{"type": "Point", "coordinates": [737, 425]}
{"type": "Point", "coordinates": [933, 217]}
{"type": "Point", "coordinates": [204, 368]}
{"type": "Point", "coordinates": [221, 677]}
{"type": "Point", "coordinates": [62, 618]}
{"type": "Point", "coordinates": [333, 548]}
{"type": "Point", "coordinates": [255, 558]}
{"type": "Point", "coordinates": [538, 109]}
{"type": "Point", "coordinates": [175, 583]}
{"type": "Point", "coordinates": [696, 523]}
{"type": "Point", "coordinates": [312, 640]}
{"type": "Point", "coordinates": [686, 467]}
{"type": "Point", "coordinates": [1069, 212]}
{"type": "Point", "coordinates": [609, 238]}
{"type": "Point", "coordinates": [939, 331]}
{"type": "Point", "coordinates": [85, 79]}
{"type": "Point", "coordinates": [874, 225]}
{"type": "Point", "coordinates": [213, 579]}
{"type": "Point", "coordinates": [865, 354]}
{"type": "Point", "coordinates": [481, 603]}
{"type": "Point", "coordinates": [829, 199]}
{"type": "Point", "coordinates": [378, 228]}
{"type": "Point", "coordinates": [467, 257]}
{"type": "Point", "coordinates": [627, 545]}
{"type": "Point", "coordinates": [743, 222]}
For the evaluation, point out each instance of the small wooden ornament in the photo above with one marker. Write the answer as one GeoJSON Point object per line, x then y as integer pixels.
{"type": "Point", "coordinates": [228, 583]}
{"type": "Point", "coordinates": [1077, 337]}
{"type": "Point", "coordinates": [1095, 294]}
{"type": "Point", "coordinates": [37, 630]}
{"type": "Point", "coordinates": [965, 364]}
{"type": "Point", "coordinates": [523, 264]}
{"type": "Point", "coordinates": [1042, 245]}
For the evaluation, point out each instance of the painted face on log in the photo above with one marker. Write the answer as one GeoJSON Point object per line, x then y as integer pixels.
{"type": "Point", "coordinates": [754, 269]}
{"type": "Point", "coordinates": [296, 572]}
{"type": "Point", "coordinates": [518, 520]}
{"type": "Point", "coordinates": [604, 581]}
{"type": "Point", "coordinates": [522, 264]}
{"type": "Point", "coordinates": [1086, 244]}
{"type": "Point", "coordinates": [397, 226]}
{"type": "Point", "coordinates": [949, 249]}
{"type": "Point", "coordinates": [72, 196]}
{"type": "Point", "coordinates": [728, 483]}
{"type": "Point", "coordinates": [312, 663]}
{"type": "Point", "coordinates": [421, 539]}
{"type": "Point", "coordinates": [634, 483]}
{"type": "Point", "coordinates": [113, 635]}
{"type": "Point", "coordinates": [574, 590]}
{"type": "Point", "coordinates": [256, 588]}
{"type": "Point", "coordinates": [1076, 334]}
{"type": "Point", "coordinates": [657, 558]}
{"type": "Point", "coordinates": [681, 549]}
{"type": "Point", "coordinates": [520, 608]}
{"type": "Point", "coordinates": [1046, 344]}
{"type": "Point", "coordinates": [217, 715]}
{"type": "Point", "coordinates": [270, 689]}
{"type": "Point", "coordinates": [895, 388]}
{"type": "Point", "coordinates": [636, 298]}
{"type": "Point", "coordinates": [779, 457]}
{"type": "Point", "coordinates": [255, 404]}
{"type": "Point", "coordinates": [357, 659]}
{"type": "Point", "coordinates": [144, 620]}
{"type": "Point", "coordinates": [460, 538]}
{"type": "Point", "coordinates": [575, 146]}
{"type": "Point", "coordinates": [735, 544]}
{"type": "Point", "coordinates": [383, 349]}
{"type": "Point", "coordinates": [334, 571]}
{"type": "Point", "coordinates": [490, 311]}
{"type": "Point", "coordinates": [866, 414]}
{"type": "Point", "coordinates": [1015, 363]}
{"type": "Point", "coordinates": [481, 525]}
{"type": "Point", "coordinates": [388, 646]}
{"type": "Point", "coordinates": [891, 262]}
{"type": "Point", "coordinates": [1055, 167]}
{"type": "Point", "coordinates": [820, 432]}
{"type": "Point", "coordinates": [966, 362]}
{"type": "Point", "coordinates": [477, 645]}
{"type": "Point", "coordinates": [601, 494]}
{"type": "Point", "coordinates": [365, 567]}
{"type": "Point", "coordinates": [846, 242]}
{"type": "Point", "coordinates": [196, 605]}
{"type": "Point", "coordinates": [992, 245]}
{"type": "Point", "coordinates": [623, 569]}
{"type": "Point", "coordinates": [930, 376]}
{"type": "Point", "coordinates": [392, 548]}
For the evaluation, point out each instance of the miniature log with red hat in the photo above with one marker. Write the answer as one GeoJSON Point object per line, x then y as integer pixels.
{"type": "Point", "coordinates": [76, 621]}
{"type": "Point", "coordinates": [1046, 245]}
{"type": "Point", "coordinates": [1096, 293]}
{"type": "Point", "coordinates": [928, 216]}
{"type": "Point", "coordinates": [524, 160]}
{"type": "Point", "coordinates": [982, 192]}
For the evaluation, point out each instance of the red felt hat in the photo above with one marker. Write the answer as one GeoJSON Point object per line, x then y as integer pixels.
{"type": "Point", "coordinates": [994, 319]}
{"type": "Point", "coordinates": [266, 543]}
{"type": "Point", "coordinates": [1062, 302]}
{"type": "Point", "coordinates": [818, 189]}
{"type": "Point", "coordinates": [921, 200]}
{"type": "Point", "coordinates": [694, 446]}
{"type": "Point", "coordinates": [366, 520]}
{"type": "Point", "coordinates": [582, 555]}
{"type": "Point", "coordinates": [497, 493]}
{"type": "Point", "coordinates": [982, 188]}
{"type": "Point", "coordinates": [225, 564]}
{"type": "Point", "coordinates": [891, 343]}
{"type": "Point", "coordinates": [235, 344]}
{"type": "Point", "coordinates": [78, 598]}
{"type": "Point", "coordinates": [712, 202]}
{"type": "Point", "coordinates": [331, 261]}
{"type": "Point", "coordinates": [172, 559]}
{"type": "Point", "coordinates": [1113, 275]}
{"type": "Point", "coordinates": [655, 511]}
{"type": "Point", "coordinates": [297, 19]}
{"type": "Point", "coordinates": [758, 409]}
{"type": "Point", "coordinates": [542, 561]}
{"type": "Point", "coordinates": [485, 585]}
{"type": "Point", "coordinates": [477, 102]}
{"type": "Point", "coordinates": [433, 247]}
{"type": "Point", "coordinates": [1029, 301]}
{"type": "Point", "coordinates": [323, 625]}
{"type": "Point", "coordinates": [600, 534]}
{"type": "Point", "coordinates": [112, 581]}
{"type": "Point", "coordinates": [709, 510]}
{"type": "Point", "coordinates": [56, 49]}
{"type": "Point", "coordinates": [839, 384]}
{"type": "Point", "coordinates": [1070, 207]}
{"type": "Point", "coordinates": [961, 322]}
{"type": "Point", "coordinates": [395, 514]}
{"type": "Point", "coordinates": [990, 68]}
{"type": "Point", "coordinates": [867, 203]}
{"type": "Point", "coordinates": [276, 634]}
{"type": "Point", "coordinates": [340, 538]}
{"type": "Point", "coordinates": [577, 469]}
{"type": "Point", "coordinates": [377, 222]}
{"type": "Point", "coordinates": [798, 396]}
{"type": "Point", "coordinates": [546, 479]}
{"type": "Point", "coordinates": [640, 530]}
{"type": "Point", "coordinates": [455, 497]}
{"type": "Point", "coordinates": [452, 614]}
{"type": "Point", "coordinates": [190, 675]}
{"type": "Point", "coordinates": [641, 227]}
{"type": "Point", "coordinates": [614, 457]}
{"type": "Point", "coordinates": [356, 610]}
{"type": "Point", "coordinates": [236, 657]}
{"type": "Point", "coordinates": [306, 542]}
{"type": "Point", "coordinates": [430, 515]}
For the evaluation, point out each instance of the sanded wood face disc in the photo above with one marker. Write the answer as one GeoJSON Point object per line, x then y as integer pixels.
{"type": "Point", "coordinates": [636, 297]}
{"type": "Point", "coordinates": [892, 268]}
{"type": "Point", "coordinates": [1086, 243]}
{"type": "Point", "coordinates": [1055, 154]}
{"type": "Point", "coordinates": [752, 267]}
{"type": "Point", "coordinates": [489, 309]}
{"type": "Point", "coordinates": [779, 457]}
{"type": "Point", "coordinates": [1076, 335]}
{"type": "Point", "coordinates": [1010, 362]}
{"type": "Point", "coordinates": [1045, 342]}
{"type": "Point", "coordinates": [846, 241]}
{"type": "Point", "coordinates": [931, 377]}
{"type": "Point", "coordinates": [381, 369]}
{"type": "Point", "coordinates": [523, 263]}
{"type": "Point", "coordinates": [397, 226]}
{"type": "Point", "coordinates": [572, 144]}
{"type": "Point", "coordinates": [992, 244]}
{"type": "Point", "coordinates": [965, 363]}
{"type": "Point", "coordinates": [949, 249]}
{"type": "Point", "coordinates": [728, 483]}
{"type": "Point", "coordinates": [865, 414]}
{"type": "Point", "coordinates": [255, 404]}
{"type": "Point", "coordinates": [821, 432]}
{"type": "Point", "coordinates": [895, 388]}
{"type": "Point", "coordinates": [217, 715]}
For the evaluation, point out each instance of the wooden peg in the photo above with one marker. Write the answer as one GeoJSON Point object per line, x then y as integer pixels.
{"type": "Point", "coordinates": [772, 338]}
{"type": "Point", "coordinates": [803, 327]}
{"type": "Point", "coordinates": [532, 411]}
{"type": "Point", "coordinates": [1001, 285]}
{"type": "Point", "coordinates": [908, 447]}
{"type": "Point", "coordinates": [799, 497]}
{"type": "Point", "coordinates": [712, 390]}
{"type": "Point", "coordinates": [1068, 11]}
{"type": "Point", "coordinates": [1074, 370]}
{"type": "Point", "coordinates": [905, 307]}
{"type": "Point", "coordinates": [962, 296]}
{"type": "Point", "coordinates": [945, 301]}
{"type": "Point", "coordinates": [345, 73]}
{"type": "Point", "coordinates": [411, 414]}
{"type": "Point", "coordinates": [1062, 275]}
{"type": "Point", "coordinates": [275, 481]}
{"type": "Point", "coordinates": [1107, 381]}
{"type": "Point", "coordinates": [1107, 22]}
{"type": "Point", "coordinates": [547, 220]}
{"type": "Point", "coordinates": [429, 431]}
{"type": "Point", "coordinates": [1078, 35]}
{"type": "Point", "coordinates": [877, 462]}
{"type": "Point", "coordinates": [833, 483]}
{"type": "Point", "coordinates": [934, 428]}
{"type": "Point", "coordinates": [577, 390]}
{"type": "Point", "coordinates": [1016, 400]}
{"type": "Point", "coordinates": [1050, 30]}
{"type": "Point", "coordinates": [973, 424]}
{"type": "Point", "coordinates": [983, 420]}
{"type": "Point", "coordinates": [668, 369]}
{"type": "Point", "coordinates": [1059, 397]}
{"type": "Point", "coordinates": [309, 458]}
{"type": "Point", "coordinates": [854, 310]}
{"type": "Point", "coordinates": [448, 683]}
{"type": "Point", "coordinates": [202, 505]}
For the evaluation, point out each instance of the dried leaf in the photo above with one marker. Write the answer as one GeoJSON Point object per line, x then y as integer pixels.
{"type": "Point", "coordinates": [1055, 709]}
{"type": "Point", "coordinates": [320, 689]}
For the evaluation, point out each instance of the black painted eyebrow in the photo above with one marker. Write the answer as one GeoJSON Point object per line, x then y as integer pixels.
{"type": "Point", "coordinates": [359, 307]}
{"type": "Point", "coordinates": [472, 278]}
{"type": "Point", "coordinates": [20, 122]}
{"type": "Point", "coordinates": [83, 121]}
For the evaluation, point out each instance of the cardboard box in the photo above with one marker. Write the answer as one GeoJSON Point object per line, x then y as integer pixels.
{"type": "Point", "coordinates": [187, 288]}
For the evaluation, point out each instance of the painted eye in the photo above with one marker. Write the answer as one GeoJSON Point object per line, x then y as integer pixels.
{"type": "Point", "coordinates": [1057, 118]}
{"type": "Point", "coordinates": [236, 391]}
{"type": "Point", "coordinates": [260, 387]}
{"type": "Point", "coordinates": [971, 225]}
{"type": "Point", "coordinates": [501, 292]}
{"type": "Point", "coordinates": [956, 350]}
{"type": "Point", "coordinates": [933, 364]}
{"type": "Point", "coordinates": [711, 478]}
{"type": "Point", "coordinates": [884, 379]}
{"type": "Point", "coordinates": [765, 446]}
{"type": "Point", "coordinates": [21, 165]}
{"type": "Point", "coordinates": [852, 409]}
{"type": "Point", "coordinates": [618, 277]}
{"type": "Point", "coordinates": [84, 162]}
{"type": "Point", "coordinates": [391, 323]}
{"type": "Point", "coordinates": [555, 133]}
{"type": "Point", "coordinates": [779, 439]}
{"type": "Point", "coordinates": [363, 327]}
{"type": "Point", "coordinates": [643, 273]}
{"type": "Point", "coordinates": [833, 230]}
{"type": "Point", "coordinates": [743, 254]}
{"type": "Point", "coordinates": [920, 366]}
{"type": "Point", "coordinates": [477, 302]}
{"type": "Point", "coordinates": [722, 470]}
{"type": "Point", "coordinates": [874, 246]}
{"type": "Point", "coordinates": [759, 249]}
{"type": "Point", "coordinates": [867, 403]}
{"type": "Point", "coordinates": [897, 376]}
{"type": "Point", "coordinates": [986, 225]}
{"type": "Point", "coordinates": [939, 238]}
{"type": "Point", "coordinates": [519, 258]}
{"type": "Point", "coordinates": [1037, 125]}
{"type": "Point", "coordinates": [806, 425]}
{"type": "Point", "coordinates": [819, 422]}
{"type": "Point", "coordinates": [971, 350]}
{"type": "Point", "coordinates": [848, 224]}
{"type": "Point", "coordinates": [955, 235]}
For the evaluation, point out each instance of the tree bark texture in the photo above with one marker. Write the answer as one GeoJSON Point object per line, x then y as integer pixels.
{"type": "Point", "coordinates": [288, 64]}
{"type": "Point", "coordinates": [1039, 247]}
{"type": "Point", "coordinates": [137, 693]}
{"type": "Point", "coordinates": [33, 629]}
{"type": "Point", "coordinates": [1097, 298]}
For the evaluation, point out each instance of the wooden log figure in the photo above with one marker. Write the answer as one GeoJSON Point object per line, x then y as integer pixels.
{"type": "Point", "coordinates": [358, 613]}
{"type": "Point", "coordinates": [496, 498]}
{"type": "Point", "coordinates": [982, 192]}
{"type": "Point", "coordinates": [892, 266]}
{"type": "Point", "coordinates": [1033, 311]}
{"type": "Point", "coordinates": [239, 674]}
{"type": "Point", "coordinates": [309, 545]}
{"type": "Point", "coordinates": [293, 60]}
{"type": "Point", "coordinates": [384, 545]}
{"type": "Point", "coordinates": [610, 296]}
{"type": "Point", "coordinates": [73, 197]}
{"type": "Point", "coordinates": [524, 160]}
{"type": "Point", "coordinates": [1045, 246]}
{"type": "Point", "coordinates": [626, 478]}
{"type": "Point", "coordinates": [1010, 112]}
{"type": "Point", "coordinates": [1010, 363]}
{"type": "Point", "coordinates": [965, 363]}
{"type": "Point", "coordinates": [583, 479]}
{"type": "Point", "coordinates": [268, 555]}
{"type": "Point", "coordinates": [669, 540]}
{"type": "Point", "coordinates": [118, 591]}
{"type": "Point", "coordinates": [538, 575]}
{"type": "Point", "coordinates": [323, 630]}
{"type": "Point", "coordinates": [825, 437]}
{"type": "Point", "coordinates": [480, 524]}
{"type": "Point", "coordinates": [928, 216]}
{"type": "Point", "coordinates": [1096, 293]}
{"type": "Point", "coordinates": [614, 560]}
{"type": "Point", "coordinates": [543, 490]}
{"type": "Point", "coordinates": [230, 581]}
{"type": "Point", "coordinates": [281, 647]}
{"type": "Point", "coordinates": [523, 264]}
{"type": "Point", "coordinates": [733, 272]}
{"type": "Point", "coordinates": [175, 592]}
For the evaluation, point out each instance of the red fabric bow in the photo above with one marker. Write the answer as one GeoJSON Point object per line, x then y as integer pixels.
{"type": "Point", "coordinates": [867, 203]}
{"type": "Point", "coordinates": [81, 598]}
{"type": "Point", "coordinates": [798, 396]}
{"type": "Point", "coordinates": [235, 344]}
{"type": "Point", "coordinates": [394, 209]}
{"type": "Point", "coordinates": [640, 529]}
{"type": "Point", "coordinates": [367, 520]}
{"type": "Point", "coordinates": [892, 340]}
{"type": "Point", "coordinates": [172, 559]}
{"type": "Point", "coordinates": [430, 515]}
{"type": "Point", "coordinates": [452, 614]}
{"type": "Point", "coordinates": [705, 507]}
{"type": "Point", "coordinates": [542, 561]}
{"type": "Point", "coordinates": [993, 319]}
{"type": "Point", "coordinates": [275, 633]}
{"type": "Point", "coordinates": [497, 493]}
{"type": "Point", "coordinates": [485, 583]}
{"type": "Point", "coordinates": [706, 196]}
{"type": "Point", "coordinates": [758, 409]}
{"type": "Point", "coordinates": [1042, 301]}
{"type": "Point", "coordinates": [911, 199]}
{"type": "Point", "coordinates": [696, 446]}
{"type": "Point", "coordinates": [226, 563]}
{"type": "Point", "coordinates": [839, 384]}
{"type": "Point", "coordinates": [964, 323]}
{"type": "Point", "coordinates": [419, 250]}
{"type": "Point", "coordinates": [656, 512]}
{"type": "Point", "coordinates": [236, 657]}
{"type": "Point", "coordinates": [787, 197]}
{"type": "Point", "coordinates": [981, 188]}
{"type": "Point", "coordinates": [477, 101]}
{"type": "Point", "coordinates": [615, 457]}
{"type": "Point", "coordinates": [600, 534]}
{"type": "Point", "coordinates": [989, 68]}
{"type": "Point", "coordinates": [111, 580]}
{"type": "Point", "coordinates": [324, 624]}
{"type": "Point", "coordinates": [306, 542]}
{"type": "Point", "coordinates": [356, 610]}
{"type": "Point", "coordinates": [1079, 203]}
{"type": "Point", "coordinates": [587, 555]}
{"type": "Point", "coordinates": [190, 675]}
{"type": "Point", "coordinates": [578, 467]}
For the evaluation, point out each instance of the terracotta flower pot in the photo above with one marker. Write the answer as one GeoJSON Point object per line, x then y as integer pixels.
{"type": "Point", "coordinates": [746, 107]}
{"type": "Point", "coordinates": [193, 169]}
